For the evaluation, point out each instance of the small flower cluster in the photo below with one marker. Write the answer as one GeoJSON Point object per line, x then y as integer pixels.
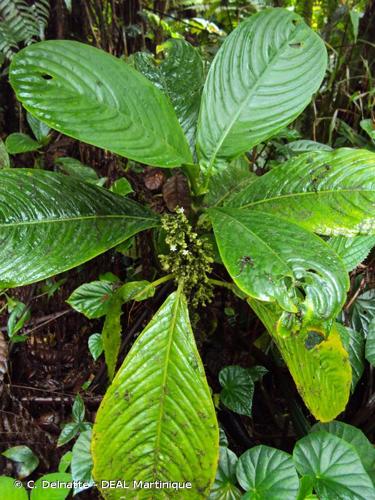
{"type": "Point", "coordinates": [190, 258]}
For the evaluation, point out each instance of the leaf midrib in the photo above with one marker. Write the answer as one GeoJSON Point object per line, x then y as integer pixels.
{"type": "Point", "coordinates": [277, 257]}
{"type": "Point", "coordinates": [171, 330]}
{"type": "Point", "coordinates": [306, 193]}
{"type": "Point", "coordinates": [252, 92]}
{"type": "Point", "coordinates": [106, 105]}
{"type": "Point", "coordinates": [76, 219]}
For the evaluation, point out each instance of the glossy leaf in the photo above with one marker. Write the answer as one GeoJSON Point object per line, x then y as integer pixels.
{"type": "Point", "coordinates": [237, 389]}
{"type": "Point", "coordinates": [353, 436]}
{"type": "Point", "coordinates": [157, 419]}
{"type": "Point", "coordinates": [334, 464]}
{"type": "Point", "coordinates": [68, 432]}
{"type": "Point", "coordinates": [302, 146]}
{"type": "Point", "coordinates": [122, 187]}
{"type": "Point", "coordinates": [78, 409]}
{"type": "Point", "coordinates": [352, 251]}
{"type": "Point", "coordinates": [180, 76]}
{"type": "Point", "coordinates": [9, 491]}
{"type": "Point", "coordinates": [261, 79]}
{"type": "Point", "coordinates": [225, 183]}
{"type": "Point", "coordinates": [330, 193]}
{"type": "Point", "coordinates": [315, 356]}
{"type": "Point", "coordinates": [81, 465]}
{"type": "Point", "coordinates": [370, 343]}
{"type": "Point", "coordinates": [267, 473]}
{"type": "Point", "coordinates": [270, 259]}
{"type": "Point", "coordinates": [224, 487]}
{"type": "Point", "coordinates": [50, 223]}
{"type": "Point", "coordinates": [26, 460]}
{"type": "Point", "coordinates": [20, 143]}
{"type": "Point", "coordinates": [95, 344]}
{"type": "Point", "coordinates": [96, 98]}
{"type": "Point", "coordinates": [92, 299]}
{"type": "Point", "coordinates": [136, 290]}
{"type": "Point", "coordinates": [40, 129]}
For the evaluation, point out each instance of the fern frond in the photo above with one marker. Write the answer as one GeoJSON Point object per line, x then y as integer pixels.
{"type": "Point", "coordinates": [21, 23]}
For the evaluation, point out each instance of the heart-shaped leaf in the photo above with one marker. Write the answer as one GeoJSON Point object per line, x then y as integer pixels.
{"type": "Point", "coordinates": [265, 472]}
{"type": "Point", "coordinates": [26, 460]}
{"type": "Point", "coordinates": [50, 222]}
{"type": "Point", "coordinates": [353, 436]}
{"type": "Point", "coordinates": [92, 299]}
{"type": "Point", "coordinates": [261, 79]}
{"type": "Point", "coordinates": [237, 389]}
{"type": "Point", "coordinates": [329, 193]}
{"type": "Point", "coordinates": [157, 420]}
{"type": "Point", "coordinates": [334, 464]}
{"type": "Point", "coordinates": [96, 98]}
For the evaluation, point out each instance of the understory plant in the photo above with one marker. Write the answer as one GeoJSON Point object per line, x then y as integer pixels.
{"type": "Point", "coordinates": [273, 233]}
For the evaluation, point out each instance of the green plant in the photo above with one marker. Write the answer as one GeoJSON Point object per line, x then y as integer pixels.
{"type": "Point", "coordinates": [334, 460]}
{"type": "Point", "coordinates": [157, 421]}
{"type": "Point", "coordinates": [21, 22]}
{"type": "Point", "coordinates": [56, 485]}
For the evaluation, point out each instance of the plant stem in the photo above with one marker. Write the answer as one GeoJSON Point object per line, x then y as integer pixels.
{"type": "Point", "coordinates": [224, 284]}
{"type": "Point", "coordinates": [192, 172]}
{"type": "Point", "coordinates": [162, 280]}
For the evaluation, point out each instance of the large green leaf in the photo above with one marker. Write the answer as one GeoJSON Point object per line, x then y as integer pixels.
{"type": "Point", "coordinates": [352, 250]}
{"type": "Point", "coordinates": [315, 356]}
{"type": "Point", "coordinates": [50, 223]}
{"type": "Point", "coordinates": [335, 465]}
{"type": "Point", "coordinates": [265, 472]}
{"type": "Point", "coordinates": [180, 75]}
{"type": "Point", "coordinates": [157, 421]}
{"type": "Point", "coordinates": [327, 192]}
{"type": "Point", "coordinates": [225, 183]}
{"type": "Point", "coordinates": [261, 79]}
{"type": "Point", "coordinates": [92, 96]}
{"type": "Point", "coordinates": [353, 436]}
{"type": "Point", "coordinates": [272, 259]}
